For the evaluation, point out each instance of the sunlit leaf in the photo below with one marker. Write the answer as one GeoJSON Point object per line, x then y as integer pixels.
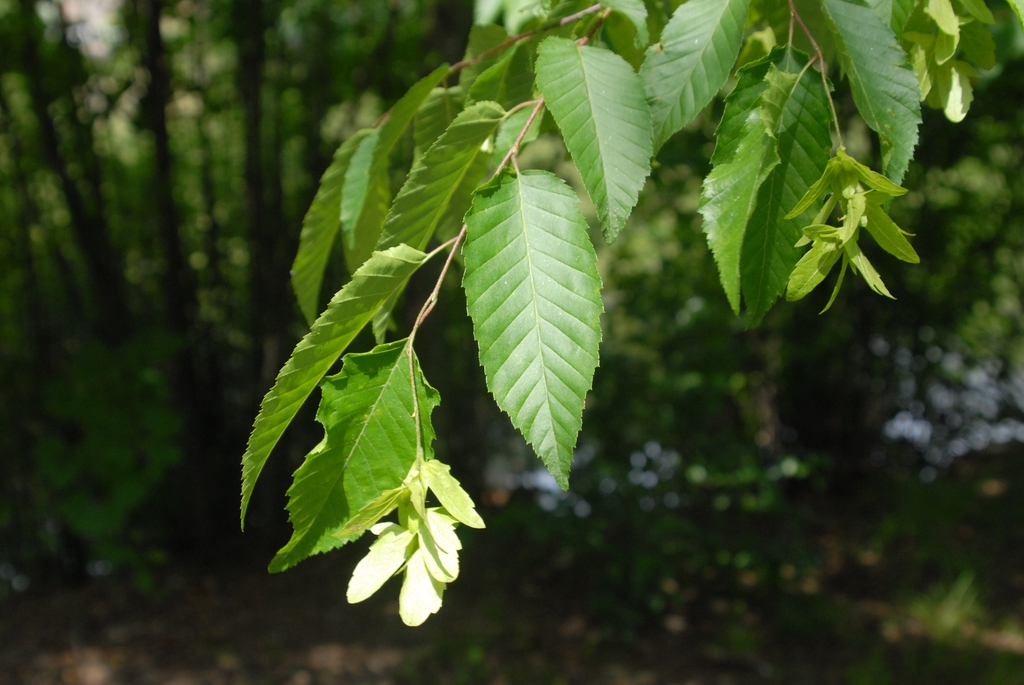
{"type": "Point", "coordinates": [533, 293]}
{"type": "Point", "coordinates": [350, 309]}
{"type": "Point", "coordinates": [386, 557]}
{"type": "Point", "coordinates": [370, 444]}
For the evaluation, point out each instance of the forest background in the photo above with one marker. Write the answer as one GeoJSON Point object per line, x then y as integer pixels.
{"type": "Point", "coordinates": [820, 499]}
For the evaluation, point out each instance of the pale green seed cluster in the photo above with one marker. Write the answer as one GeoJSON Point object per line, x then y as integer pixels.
{"type": "Point", "coordinates": [423, 543]}
{"type": "Point", "coordinates": [860, 195]}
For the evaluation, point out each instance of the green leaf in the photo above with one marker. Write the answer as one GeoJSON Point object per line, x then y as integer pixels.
{"type": "Point", "coordinates": [370, 445]}
{"type": "Point", "coordinates": [812, 269]}
{"type": "Point", "coordinates": [367, 185]}
{"type": "Point", "coordinates": [893, 12]}
{"type": "Point", "coordinates": [350, 309]}
{"type": "Point", "coordinates": [884, 87]}
{"type": "Point", "coordinates": [533, 293]}
{"type": "Point", "coordinates": [692, 62]}
{"type": "Point", "coordinates": [364, 202]}
{"type": "Point", "coordinates": [486, 11]}
{"type": "Point", "coordinates": [745, 155]}
{"type": "Point", "coordinates": [451, 495]}
{"type": "Point", "coordinates": [769, 251]}
{"type": "Point", "coordinates": [509, 131]}
{"type": "Point", "coordinates": [319, 229]}
{"type": "Point", "coordinates": [1018, 9]}
{"type": "Point", "coordinates": [386, 557]}
{"type": "Point", "coordinates": [509, 81]}
{"type": "Point", "coordinates": [597, 101]}
{"type": "Point", "coordinates": [481, 39]}
{"type": "Point", "coordinates": [437, 179]}
{"type": "Point", "coordinates": [436, 114]}
{"type": "Point", "coordinates": [979, 10]}
{"type": "Point", "coordinates": [636, 12]}
{"type": "Point", "coordinates": [979, 48]}
{"type": "Point", "coordinates": [942, 13]}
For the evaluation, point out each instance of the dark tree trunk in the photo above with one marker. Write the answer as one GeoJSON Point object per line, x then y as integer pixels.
{"type": "Point", "coordinates": [88, 222]}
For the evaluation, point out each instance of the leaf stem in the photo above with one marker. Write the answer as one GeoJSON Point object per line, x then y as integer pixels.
{"type": "Point", "coordinates": [820, 57]}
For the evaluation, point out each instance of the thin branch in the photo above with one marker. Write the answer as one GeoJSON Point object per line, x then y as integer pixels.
{"type": "Point", "coordinates": [526, 35]}
{"type": "Point", "coordinates": [820, 57]}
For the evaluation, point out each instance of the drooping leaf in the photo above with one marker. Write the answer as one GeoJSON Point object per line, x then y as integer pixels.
{"type": "Point", "coordinates": [636, 12]}
{"type": "Point", "coordinates": [370, 445]}
{"type": "Point", "coordinates": [884, 87]}
{"type": "Point", "coordinates": [319, 229]}
{"type": "Point", "coordinates": [436, 114]}
{"type": "Point", "coordinates": [435, 181]}
{"type": "Point", "coordinates": [350, 309]}
{"type": "Point", "coordinates": [692, 62]}
{"type": "Point", "coordinates": [861, 265]}
{"type": "Point", "coordinates": [509, 81]}
{"type": "Point", "coordinates": [802, 134]}
{"type": "Point", "coordinates": [364, 202]}
{"type": "Point", "coordinates": [979, 48]}
{"type": "Point", "coordinates": [598, 102]}
{"type": "Point", "coordinates": [481, 39]}
{"type": "Point", "coordinates": [979, 10]}
{"type": "Point", "coordinates": [533, 293]}
{"type": "Point", "coordinates": [364, 205]}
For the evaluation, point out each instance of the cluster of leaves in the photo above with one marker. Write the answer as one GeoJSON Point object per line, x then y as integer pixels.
{"type": "Point", "coordinates": [530, 269]}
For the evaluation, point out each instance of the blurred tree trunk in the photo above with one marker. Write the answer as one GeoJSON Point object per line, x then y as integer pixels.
{"type": "Point", "coordinates": [194, 396]}
{"type": "Point", "coordinates": [82, 191]}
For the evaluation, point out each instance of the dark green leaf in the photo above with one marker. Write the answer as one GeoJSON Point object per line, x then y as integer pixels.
{"type": "Point", "coordinates": [692, 62]}
{"type": "Point", "coordinates": [885, 88]}
{"type": "Point", "coordinates": [598, 102]}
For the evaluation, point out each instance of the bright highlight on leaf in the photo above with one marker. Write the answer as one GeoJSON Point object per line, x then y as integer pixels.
{"type": "Point", "coordinates": [370, 445]}
{"type": "Point", "coordinates": [598, 102]}
{"type": "Point", "coordinates": [350, 309]}
{"type": "Point", "coordinates": [534, 296]}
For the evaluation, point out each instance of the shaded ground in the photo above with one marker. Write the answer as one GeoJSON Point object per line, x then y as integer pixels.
{"type": "Point", "coordinates": [916, 584]}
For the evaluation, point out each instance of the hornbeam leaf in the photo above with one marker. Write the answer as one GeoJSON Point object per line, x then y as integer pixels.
{"type": "Point", "coordinates": [451, 495]}
{"type": "Point", "coordinates": [434, 183]}
{"type": "Point", "coordinates": [802, 131]}
{"type": "Point", "coordinates": [884, 87]}
{"type": "Point", "coordinates": [436, 114]}
{"type": "Point", "coordinates": [481, 39]}
{"type": "Point", "coordinates": [744, 156]}
{"type": "Point", "coordinates": [509, 81]}
{"type": "Point", "coordinates": [369, 447]}
{"type": "Point", "coordinates": [533, 292]}
{"type": "Point", "coordinates": [364, 202]}
{"type": "Point", "coordinates": [692, 62]}
{"type": "Point", "coordinates": [597, 101]}
{"type": "Point", "coordinates": [319, 229]}
{"type": "Point", "coordinates": [636, 12]}
{"type": "Point", "coordinates": [364, 206]}
{"type": "Point", "coordinates": [812, 269]}
{"type": "Point", "coordinates": [350, 309]}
